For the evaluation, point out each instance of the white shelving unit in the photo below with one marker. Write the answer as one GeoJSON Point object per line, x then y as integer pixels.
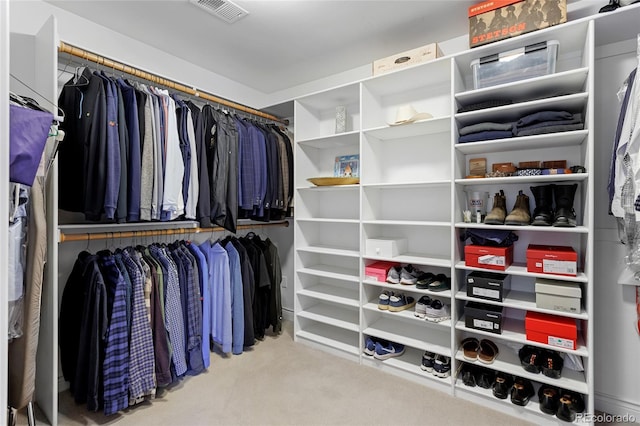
{"type": "Point", "coordinates": [413, 185]}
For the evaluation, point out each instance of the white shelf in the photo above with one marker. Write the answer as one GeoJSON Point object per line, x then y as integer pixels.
{"type": "Point", "coordinates": [547, 140]}
{"type": "Point", "coordinates": [334, 294]}
{"type": "Point", "coordinates": [326, 220]}
{"type": "Point", "coordinates": [571, 177]}
{"type": "Point", "coordinates": [572, 103]}
{"type": "Point", "coordinates": [530, 412]}
{"type": "Point", "coordinates": [332, 141]}
{"type": "Point", "coordinates": [334, 251]}
{"type": "Point", "coordinates": [332, 315]}
{"type": "Point", "coordinates": [521, 300]}
{"type": "Point", "coordinates": [420, 128]}
{"type": "Point", "coordinates": [415, 259]}
{"type": "Point", "coordinates": [407, 185]}
{"type": "Point", "coordinates": [546, 86]}
{"type": "Point", "coordinates": [408, 315]}
{"type": "Point", "coordinates": [508, 362]}
{"type": "Point", "coordinates": [331, 271]}
{"type": "Point", "coordinates": [446, 294]}
{"type": "Point", "coordinates": [331, 188]}
{"type": "Point", "coordinates": [513, 331]}
{"type": "Point", "coordinates": [529, 228]}
{"type": "Point", "coordinates": [419, 336]}
{"type": "Point", "coordinates": [340, 339]}
{"type": "Point", "coordinates": [521, 270]}
{"type": "Point", "coordinates": [407, 223]}
{"type": "Point", "coordinates": [410, 362]}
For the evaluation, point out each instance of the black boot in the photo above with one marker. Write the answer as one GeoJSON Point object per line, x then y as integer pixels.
{"type": "Point", "coordinates": [565, 214]}
{"type": "Point", "coordinates": [543, 213]}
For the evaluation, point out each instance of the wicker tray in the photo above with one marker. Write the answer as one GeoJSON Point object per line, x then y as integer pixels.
{"type": "Point", "coordinates": [329, 181]}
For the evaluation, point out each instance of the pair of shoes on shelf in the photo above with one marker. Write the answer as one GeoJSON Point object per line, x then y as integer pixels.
{"type": "Point", "coordinates": [407, 275]}
{"type": "Point", "coordinates": [536, 360]}
{"type": "Point", "coordinates": [438, 365]}
{"type": "Point", "coordinates": [395, 302]}
{"type": "Point", "coordinates": [520, 390]}
{"type": "Point", "coordinates": [433, 282]}
{"type": "Point", "coordinates": [520, 214]}
{"type": "Point", "coordinates": [561, 403]}
{"type": "Point", "coordinates": [370, 345]}
{"type": "Point", "coordinates": [545, 196]}
{"type": "Point", "coordinates": [475, 375]}
{"type": "Point", "coordinates": [483, 350]}
{"type": "Point", "coordinates": [432, 309]}
{"type": "Point", "coordinates": [385, 350]}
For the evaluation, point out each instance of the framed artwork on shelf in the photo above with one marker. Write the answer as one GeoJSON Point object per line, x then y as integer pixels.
{"type": "Point", "coordinates": [347, 166]}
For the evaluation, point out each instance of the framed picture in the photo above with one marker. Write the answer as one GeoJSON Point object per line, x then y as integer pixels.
{"type": "Point", "coordinates": [347, 166]}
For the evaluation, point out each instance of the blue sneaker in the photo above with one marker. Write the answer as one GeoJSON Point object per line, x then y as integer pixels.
{"type": "Point", "coordinates": [369, 346]}
{"type": "Point", "coordinates": [387, 351]}
{"type": "Point", "coordinates": [442, 366]}
{"type": "Point", "coordinates": [399, 302]}
{"type": "Point", "coordinates": [383, 300]}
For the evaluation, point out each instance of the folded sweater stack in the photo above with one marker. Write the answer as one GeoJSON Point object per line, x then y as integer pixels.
{"type": "Point", "coordinates": [532, 124]}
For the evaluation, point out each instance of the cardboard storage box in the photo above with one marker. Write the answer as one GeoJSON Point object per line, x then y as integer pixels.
{"type": "Point", "coordinates": [386, 247]}
{"type": "Point", "coordinates": [551, 330]}
{"type": "Point", "coordinates": [558, 260]}
{"type": "Point", "coordinates": [404, 59]}
{"type": "Point", "coordinates": [495, 20]}
{"type": "Point", "coordinates": [488, 285]}
{"type": "Point", "coordinates": [530, 61]}
{"type": "Point", "coordinates": [378, 271]}
{"type": "Point", "coordinates": [558, 295]}
{"type": "Point", "coordinates": [483, 317]}
{"type": "Point", "coordinates": [497, 258]}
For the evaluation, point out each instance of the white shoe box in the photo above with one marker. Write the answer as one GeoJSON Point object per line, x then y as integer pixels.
{"type": "Point", "coordinates": [385, 247]}
{"type": "Point", "coordinates": [558, 295]}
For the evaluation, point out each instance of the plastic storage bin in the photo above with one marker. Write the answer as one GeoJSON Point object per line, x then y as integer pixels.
{"type": "Point", "coordinates": [519, 64]}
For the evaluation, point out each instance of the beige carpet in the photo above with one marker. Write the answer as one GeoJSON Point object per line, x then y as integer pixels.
{"type": "Point", "coordinates": [284, 383]}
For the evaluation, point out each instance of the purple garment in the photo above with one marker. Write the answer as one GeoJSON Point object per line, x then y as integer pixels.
{"type": "Point", "coordinates": [29, 130]}
{"type": "Point", "coordinates": [485, 136]}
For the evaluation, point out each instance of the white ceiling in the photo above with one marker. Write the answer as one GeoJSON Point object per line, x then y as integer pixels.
{"type": "Point", "coordinates": [281, 44]}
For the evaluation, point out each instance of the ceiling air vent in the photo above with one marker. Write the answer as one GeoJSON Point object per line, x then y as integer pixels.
{"type": "Point", "coordinates": [223, 9]}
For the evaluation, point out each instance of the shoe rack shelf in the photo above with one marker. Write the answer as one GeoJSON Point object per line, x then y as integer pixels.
{"type": "Point", "coordinates": [413, 183]}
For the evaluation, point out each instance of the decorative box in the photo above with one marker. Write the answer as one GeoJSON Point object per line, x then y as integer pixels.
{"type": "Point", "coordinates": [404, 59]}
{"type": "Point", "coordinates": [483, 317]}
{"type": "Point", "coordinates": [497, 258]}
{"type": "Point", "coordinates": [558, 295]}
{"type": "Point", "coordinates": [557, 260]}
{"type": "Point", "coordinates": [551, 330]}
{"type": "Point", "coordinates": [495, 20]}
{"type": "Point", "coordinates": [385, 247]}
{"type": "Point", "coordinates": [488, 285]}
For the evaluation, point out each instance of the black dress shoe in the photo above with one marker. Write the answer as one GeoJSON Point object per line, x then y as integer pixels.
{"type": "Point", "coordinates": [484, 378]}
{"type": "Point", "coordinates": [549, 397]}
{"type": "Point", "coordinates": [502, 386]}
{"type": "Point", "coordinates": [552, 364]}
{"type": "Point", "coordinates": [566, 412]}
{"type": "Point", "coordinates": [613, 5]}
{"type": "Point", "coordinates": [521, 391]}
{"type": "Point", "coordinates": [467, 375]}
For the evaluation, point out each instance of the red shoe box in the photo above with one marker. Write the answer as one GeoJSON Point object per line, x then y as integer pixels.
{"type": "Point", "coordinates": [497, 258]}
{"type": "Point", "coordinates": [378, 270]}
{"type": "Point", "coordinates": [551, 330]}
{"type": "Point", "coordinates": [557, 260]}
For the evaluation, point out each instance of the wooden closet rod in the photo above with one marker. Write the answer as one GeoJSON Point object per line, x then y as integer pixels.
{"type": "Point", "coordinates": [155, 233]}
{"type": "Point", "coordinates": [109, 63]}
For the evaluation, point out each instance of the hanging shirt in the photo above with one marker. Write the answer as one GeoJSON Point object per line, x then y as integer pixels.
{"type": "Point", "coordinates": [135, 163]}
{"type": "Point", "coordinates": [205, 294]}
{"type": "Point", "coordinates": [237, 299]}
{"type": "Point", "coordinates": [173, 201]}
{"type": "Point", "coordinates": [194, 183]}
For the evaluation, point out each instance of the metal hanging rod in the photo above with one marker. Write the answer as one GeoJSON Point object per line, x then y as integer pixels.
{"type": "Point", "coordinates": [156, 79]}
{"type": "Point", "coordinates": [64, 238]}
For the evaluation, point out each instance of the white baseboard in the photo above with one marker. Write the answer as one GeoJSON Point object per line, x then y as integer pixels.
{"type": "Point", "coordinates": [616, 407]}
{"type": "Point", "coordinates": [287, 314]}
